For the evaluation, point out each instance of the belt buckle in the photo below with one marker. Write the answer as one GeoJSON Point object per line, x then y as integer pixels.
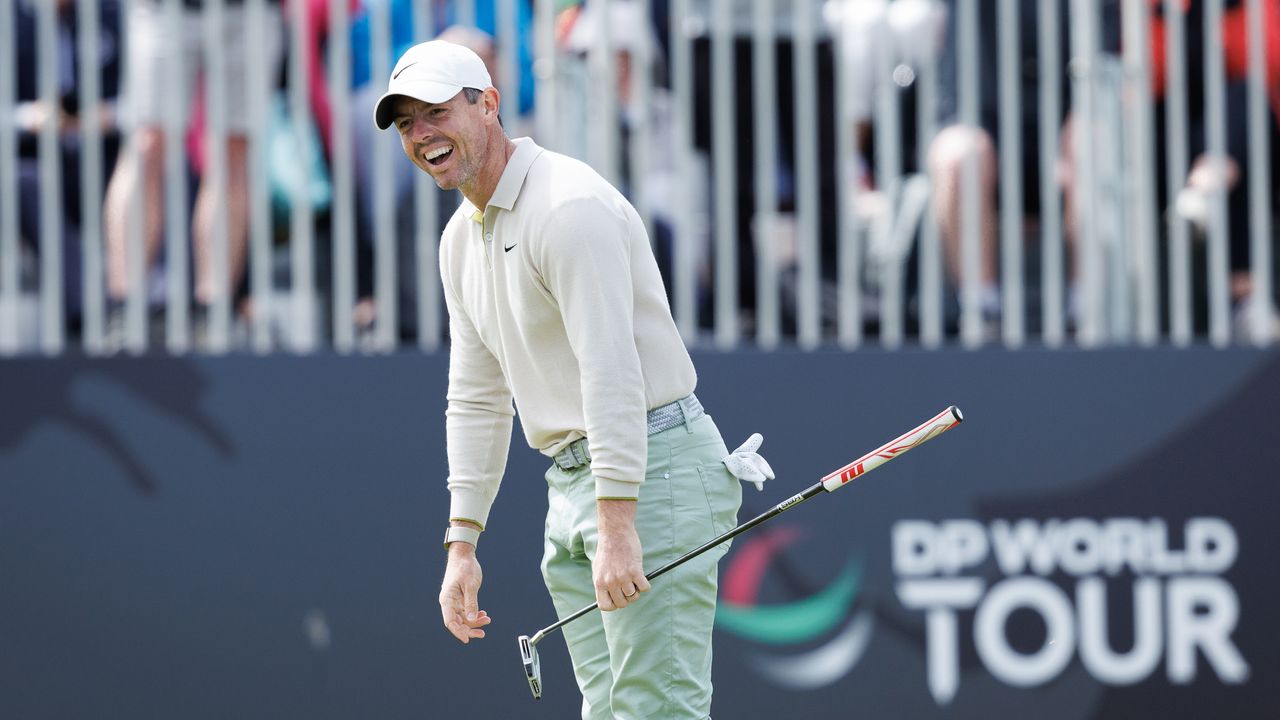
{"type": "Point", "coordinates": [686, 411]}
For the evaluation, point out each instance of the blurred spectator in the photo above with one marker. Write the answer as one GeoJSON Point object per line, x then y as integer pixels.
{"type": "Point", "coordinates": [31, 114]}
{"type": "Point", "coordinates": [956, 141]}
{"type": "Point", "coordinates": [316, 33]}
{"type": "Point", "coordinates": [632, 37]}
{"type": "Point", "coordinates": [1194, 200]}
{"type": "Point", "coordinates": [1202, 181]}
{"type": "Point", "coordinates": [153, 48]}
{"type": "Point", "coordinates": [787, 102]}
{"type": "Point", "coordinates": [659, 26]}
{"type": "Point", "coordinates": [879, 37]}
{"type": "Point", "coordinates": [885, 46]}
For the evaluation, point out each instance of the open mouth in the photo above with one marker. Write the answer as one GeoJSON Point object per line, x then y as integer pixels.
{"type": "Point", "coordinates": [439, 155]}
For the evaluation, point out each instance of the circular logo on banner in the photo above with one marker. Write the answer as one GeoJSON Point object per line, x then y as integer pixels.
{"type": "Point", "coordinates": [828, 613]}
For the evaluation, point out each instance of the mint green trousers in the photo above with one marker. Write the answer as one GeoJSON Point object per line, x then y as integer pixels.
{"type": "Point", "coordinates": [651, 659]}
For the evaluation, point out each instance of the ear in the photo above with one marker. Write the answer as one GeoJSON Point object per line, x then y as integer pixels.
{"type": "Point", "coordinates": [491, 100]}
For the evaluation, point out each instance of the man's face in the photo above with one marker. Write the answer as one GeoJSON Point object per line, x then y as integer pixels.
{"type": "Point", "coordinates": [447, 140]}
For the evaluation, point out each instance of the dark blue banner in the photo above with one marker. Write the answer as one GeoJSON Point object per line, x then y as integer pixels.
{"type": "Point", "coordinates": [260, 538]}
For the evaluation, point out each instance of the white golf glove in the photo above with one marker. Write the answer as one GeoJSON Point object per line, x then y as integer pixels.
{"type": "Point", "coordinates": [747, 465]}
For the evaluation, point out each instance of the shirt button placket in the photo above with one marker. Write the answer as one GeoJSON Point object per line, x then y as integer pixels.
{"type": "Point", "coordinates": [487, 234]}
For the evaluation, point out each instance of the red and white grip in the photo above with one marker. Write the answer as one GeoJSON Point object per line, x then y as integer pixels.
{"type": "Point", "coordinates": [931, 429]}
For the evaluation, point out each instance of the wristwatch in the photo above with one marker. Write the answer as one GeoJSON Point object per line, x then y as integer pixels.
{"type": "Point", "coordinates": [461, 534]}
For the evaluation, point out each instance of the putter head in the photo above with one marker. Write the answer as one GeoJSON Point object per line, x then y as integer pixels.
{"type": "Point", "coordinates": [532, 669]}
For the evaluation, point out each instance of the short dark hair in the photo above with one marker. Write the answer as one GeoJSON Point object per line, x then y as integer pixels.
{"type": "Point", "coordinates": [473, 97]}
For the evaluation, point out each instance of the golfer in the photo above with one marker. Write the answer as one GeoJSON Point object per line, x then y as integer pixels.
{"type": "Point", "coordinates": [555, 302]}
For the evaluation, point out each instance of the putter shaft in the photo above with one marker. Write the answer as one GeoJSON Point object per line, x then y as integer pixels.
{"type": "Point", "coordinates": [926, 431]}
{"type": "Point", "coordinates": [723, 538]}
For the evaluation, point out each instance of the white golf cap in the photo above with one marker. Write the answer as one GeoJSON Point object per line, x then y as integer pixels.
{"type": "Point", "coordinates": [432, 72]}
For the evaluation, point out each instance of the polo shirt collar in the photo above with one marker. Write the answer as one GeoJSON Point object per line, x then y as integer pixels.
{"type": "Point", "coordinates": [511, 182]}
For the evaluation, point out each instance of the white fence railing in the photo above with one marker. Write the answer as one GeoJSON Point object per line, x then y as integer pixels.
{"type": "Point", "coordinates": [838, 172]}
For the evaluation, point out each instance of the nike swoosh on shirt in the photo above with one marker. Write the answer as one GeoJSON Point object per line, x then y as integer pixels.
{"type": "Point", "coordinates": [508, 249]}
{"type": "Point", "coordinates": [401, 70]}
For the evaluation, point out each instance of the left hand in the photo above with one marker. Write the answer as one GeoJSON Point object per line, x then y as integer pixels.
{"type": "Point", "coordinates": [747, 465]}
{"type": "Point", "coordinates": [459, 591]}
{"type": "Point", "coordinates": [617, 569]}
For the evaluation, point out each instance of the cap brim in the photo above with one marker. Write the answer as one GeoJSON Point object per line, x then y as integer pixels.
{"type": "Point", "coordinates": [424, 90]}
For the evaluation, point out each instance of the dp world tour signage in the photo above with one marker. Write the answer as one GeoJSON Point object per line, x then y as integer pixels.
{"type": "Point", "coordinates": [1096, 539]}
{"type": "Point", "coordinates": [1180, 607]}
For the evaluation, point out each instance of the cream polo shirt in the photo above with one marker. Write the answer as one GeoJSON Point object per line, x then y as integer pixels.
{"type": "Point", "coordinates": [555, 301]}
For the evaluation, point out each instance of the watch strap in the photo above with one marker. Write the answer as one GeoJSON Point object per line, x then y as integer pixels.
{"type": "Point", "coordinates": [461, 534]}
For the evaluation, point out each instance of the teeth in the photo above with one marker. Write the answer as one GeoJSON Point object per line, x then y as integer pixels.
{"type": "Point", "coordinates": [432, 155]}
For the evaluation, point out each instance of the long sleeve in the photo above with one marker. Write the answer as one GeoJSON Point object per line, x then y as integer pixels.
{"type": "Point", "coordinates": [585, 255]}
{"type": "Point", "coordinates": [477, 420]}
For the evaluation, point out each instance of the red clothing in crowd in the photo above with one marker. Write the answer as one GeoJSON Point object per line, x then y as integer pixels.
{"type": "Point", "coordinates": [1235, 45]}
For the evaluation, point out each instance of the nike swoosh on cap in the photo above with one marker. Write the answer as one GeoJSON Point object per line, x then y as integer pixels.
{"type": "Point", "coordinates": [401, 70]}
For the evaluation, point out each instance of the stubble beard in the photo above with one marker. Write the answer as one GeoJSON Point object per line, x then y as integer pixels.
{"type": "Point", "coordinates": [465, 175]}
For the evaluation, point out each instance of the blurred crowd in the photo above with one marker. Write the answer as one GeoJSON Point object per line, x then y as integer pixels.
{"type": "Point", "coordinates": [880, 50]}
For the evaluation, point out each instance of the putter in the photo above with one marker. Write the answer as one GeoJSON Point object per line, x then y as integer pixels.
{"type": "Point", "coordinates": [930, 429]}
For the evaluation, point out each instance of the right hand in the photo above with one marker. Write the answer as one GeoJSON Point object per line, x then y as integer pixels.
{"type": "Point", "coordinates": [617, 569]}
{"type": "Point", "coordinates": [33, 115]}
{"type": "Point", "coordinates": [458, 594]}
